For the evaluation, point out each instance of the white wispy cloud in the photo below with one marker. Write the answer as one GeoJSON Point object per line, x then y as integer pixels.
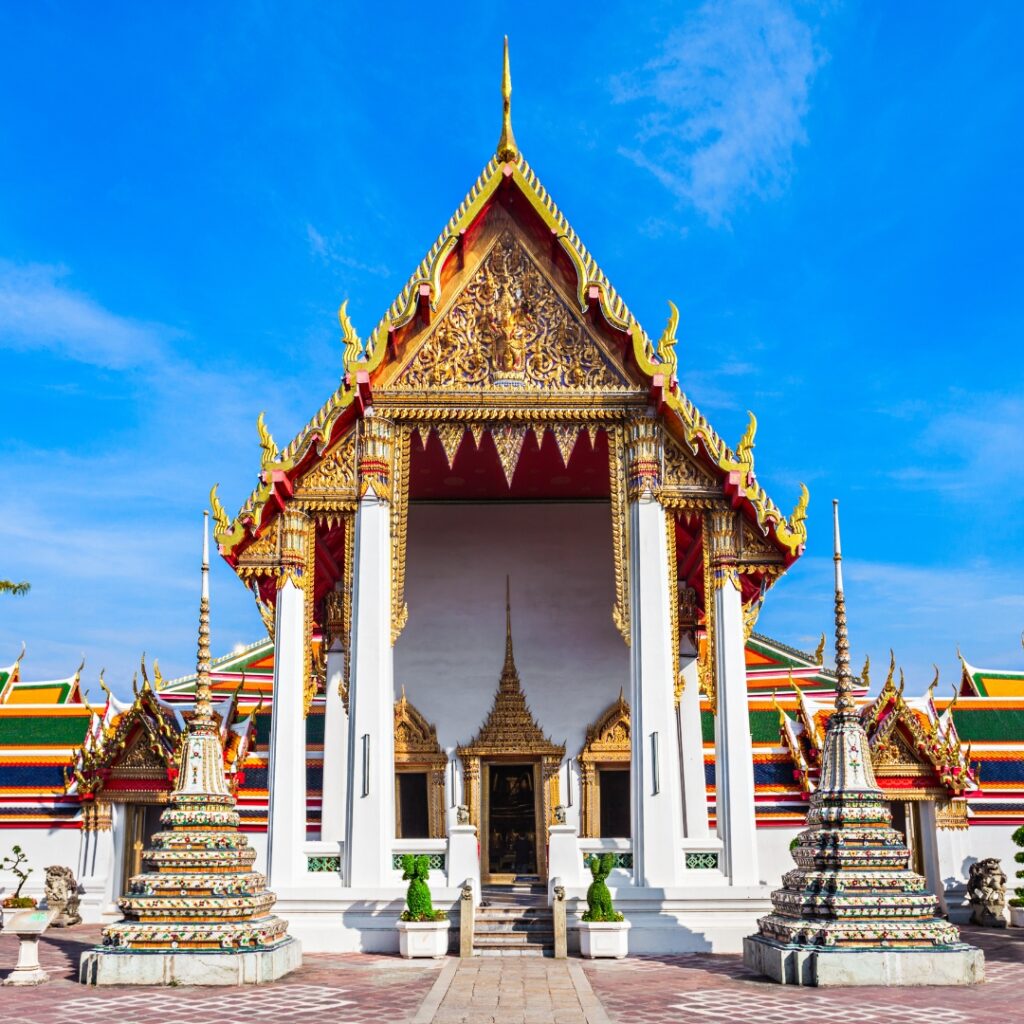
{"type": "Point", "coordinates": [338, 251]}
{"type": "Point", "coordinates": [39, 309]}
{"type": "Point", "coordinates": [922, 612]}
{"type": "Point", "coordinates": [965, 441]}
{"type": "Point", "coordinates": [728, 95]}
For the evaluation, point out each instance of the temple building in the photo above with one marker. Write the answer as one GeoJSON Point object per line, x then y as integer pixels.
{"type": "Point", "coordinates": [510, 577]}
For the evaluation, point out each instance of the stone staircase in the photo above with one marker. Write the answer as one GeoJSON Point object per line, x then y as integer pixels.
{"type": "Point", "coordinates": [514, 918]}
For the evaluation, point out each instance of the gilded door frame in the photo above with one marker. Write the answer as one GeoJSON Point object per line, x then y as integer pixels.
{"type": "Point", "coordinates": [539, 827]}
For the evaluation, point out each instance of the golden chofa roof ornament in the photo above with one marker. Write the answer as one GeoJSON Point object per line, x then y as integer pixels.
{"type": "Point", "coordinates": [507, 149]}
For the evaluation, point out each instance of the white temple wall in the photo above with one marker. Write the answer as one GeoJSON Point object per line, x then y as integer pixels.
{"type": "Point", "coordinates": [571, 659]}
{"type": "Point", "coordinates": [773, 856]}
{"type": "Point", "coordinates": [44, 848]}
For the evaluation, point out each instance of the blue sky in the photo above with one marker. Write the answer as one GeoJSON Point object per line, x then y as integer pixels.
{"type": "Point", "coordinates": [830, 193]}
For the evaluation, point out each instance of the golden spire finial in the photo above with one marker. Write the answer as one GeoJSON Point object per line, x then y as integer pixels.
{"type": "Point", "coordinates": [865, 672]}
{"type": "Point", "coordinates": [509, 673]}
{"type": "Point", "coordinates": [507, 149]}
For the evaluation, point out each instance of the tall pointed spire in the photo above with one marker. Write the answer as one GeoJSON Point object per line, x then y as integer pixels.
{"type": "Point", "coordinates": [852, 891]}
{"type": "Point", "coordinates": [507, 149]}
{"type": "Point", "coordinates": [200, 892]}
{"type": "Point", "coordinates": [509, 672]}
{"type": "Point", "coordinates": [204, 704]}
{"type": "Point", "coordinates": [844, 689]}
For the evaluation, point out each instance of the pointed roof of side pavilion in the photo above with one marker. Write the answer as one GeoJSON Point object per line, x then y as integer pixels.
{"type": "Point", "coordinates": [509, 184]}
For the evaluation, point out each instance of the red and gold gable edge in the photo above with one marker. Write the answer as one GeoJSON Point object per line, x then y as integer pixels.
{"type": "Point", "coordinates": [653, 366]}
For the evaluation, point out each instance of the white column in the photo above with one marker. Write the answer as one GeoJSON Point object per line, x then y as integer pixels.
{"type": "Point", "coordinates": [928, 839]}
{"type": "Point", "coordinates": [286, 831]}
{"type": "Point", "coordinates": [99, 869]}
{"type": "Point", "coordinates": [691, 746]}
{"type": "Point", "coordinates": [370, 823]}
{"type": "Point", "coordinates": [734, 759]}
{"type": "Point", "coordinates": [656, 798]}
{"type": "Point", "coordinates": [335, 785]}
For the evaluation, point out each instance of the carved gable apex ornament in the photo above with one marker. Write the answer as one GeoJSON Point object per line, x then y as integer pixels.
{"type": "Point", "coordinates": [682, 469]}
{"type": "Point", "coordinates": [333, 478]}
{"type": "Point", "coordinates": [509, 327]}
{"type": "Point", "coordinates": [413, 733]}
{"type": "Point", "coordinates": [610, 733]}
{"type": "Point", "coordinates": [754, 546]}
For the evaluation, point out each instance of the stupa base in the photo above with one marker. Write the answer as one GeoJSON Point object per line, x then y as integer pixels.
{"type": "Point", "coordinates": [805, 965]}
{"type": "Point", "coordinates": [157, 967]}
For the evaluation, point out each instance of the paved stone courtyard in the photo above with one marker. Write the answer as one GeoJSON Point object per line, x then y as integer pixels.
{"type": "Point", "coordinates": [354, 988]}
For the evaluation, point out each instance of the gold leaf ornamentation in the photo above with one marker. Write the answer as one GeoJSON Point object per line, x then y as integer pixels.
{"type": "Point", "coordinates": [509, 327]}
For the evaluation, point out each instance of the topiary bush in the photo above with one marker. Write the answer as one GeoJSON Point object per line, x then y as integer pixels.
{"type": "Point", "coordinates": [599, 899]}
{"type": "Point", "coordinates": [1018, 838]}
{"type": "Point", "coordinates": [419, 906]}
{"type": "Point", "coordinates": [14, 865]}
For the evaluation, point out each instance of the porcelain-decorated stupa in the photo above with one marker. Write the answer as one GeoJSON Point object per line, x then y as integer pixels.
{"type": "Point", "coordinates": [852, 889]}
{"type": "Point", "coordinates": [200, 894]}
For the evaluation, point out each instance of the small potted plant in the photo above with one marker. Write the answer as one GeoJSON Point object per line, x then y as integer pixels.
{"type": "Point", "coordinates": [422, 930]}
{"type": "Point", "coordinates": [14, 865]}
{"type": "Point", "coordinates": [603, 930]}
{"type": "Point", "coordinates": [1017, 903]}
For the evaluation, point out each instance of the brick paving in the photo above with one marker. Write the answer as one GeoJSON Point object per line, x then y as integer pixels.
{"type": "Point", "coordinates": [361, 989]}
{"type": "Point", "coordinates": [347, 988]}
{"type": "Point", "coordinates": [701, 988]}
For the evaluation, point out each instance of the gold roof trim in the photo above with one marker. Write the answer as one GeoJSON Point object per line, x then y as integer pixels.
{"type": "Point", "coordinates": [660, 361]}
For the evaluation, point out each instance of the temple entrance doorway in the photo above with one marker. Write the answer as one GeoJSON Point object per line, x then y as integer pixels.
{"type": "Point", "coordinates": [512, 809]}
{"type": "Point", "coordinates": [141, 823]}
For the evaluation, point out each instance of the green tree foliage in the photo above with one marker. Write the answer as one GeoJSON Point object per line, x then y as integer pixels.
{"type": "Point", "coordinates": [14, 865]}
{"type": "Point", "coordinates": [17, 589]}
{"type": "Point", "coordinates": [599, 899]}
{"type": "Point", "coordinates": [419, 906]}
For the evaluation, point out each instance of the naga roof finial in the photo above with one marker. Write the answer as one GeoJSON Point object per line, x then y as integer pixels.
{"type": "Point", "coordinates": [507, 149]}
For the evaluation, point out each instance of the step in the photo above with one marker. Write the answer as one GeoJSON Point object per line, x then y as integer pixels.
{"type": "Point", "coordinates": [489, 928]}
{"type": "Point", "coordinates": [512, 940]}
{"type": "Point", "coordinates": [512, 913]}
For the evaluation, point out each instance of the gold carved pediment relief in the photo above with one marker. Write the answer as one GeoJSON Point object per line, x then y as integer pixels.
{"type": "Point", "coordinates": [261, 557]}
{"type": "Point", "coordinates": [509, 327]}
{"type": "Point", "coordinates": [332, 484]}
{"type": "Point", "coordinates": [682, 469]}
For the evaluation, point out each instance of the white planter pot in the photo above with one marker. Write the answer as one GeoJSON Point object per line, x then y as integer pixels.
{"type": "Point", "coordinates": [1017, 917]}
{"type": "Point", "coordinates": [604, 939]}
{"type": "Point", "coordinates": [423, 938]}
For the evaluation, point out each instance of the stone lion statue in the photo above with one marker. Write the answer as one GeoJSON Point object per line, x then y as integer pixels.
{"type": "Point", "coordinates": [986, 891]}
{"type": "Point", "coordinates": [62, 895]}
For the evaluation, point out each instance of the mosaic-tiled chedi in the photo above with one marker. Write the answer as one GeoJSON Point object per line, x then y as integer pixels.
{"type": "Point", "coordinates": [852, 887]}
{"type": "Point", "coordinates": [201, 892]}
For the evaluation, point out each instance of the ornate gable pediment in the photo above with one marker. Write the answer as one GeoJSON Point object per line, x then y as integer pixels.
{"type": "Point", "coordinates": [415, 737]}
{"type": "Point", "coordinates": [609, 737]}
{"type": "Point", "coordinates": [683, 471]}
{"type": "Point", "coordinates": [509, 327]}
{"type": "Point", "coordinates": [332, 483]}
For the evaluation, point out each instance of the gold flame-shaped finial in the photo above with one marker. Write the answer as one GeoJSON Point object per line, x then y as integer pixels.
{"type": "Point", "coordinates": [507, 149]}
